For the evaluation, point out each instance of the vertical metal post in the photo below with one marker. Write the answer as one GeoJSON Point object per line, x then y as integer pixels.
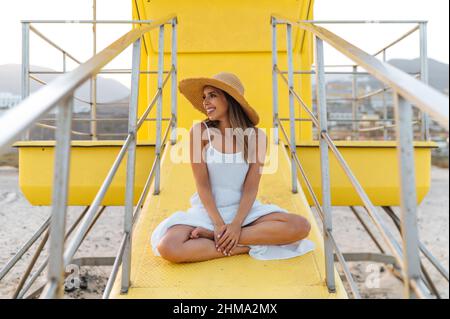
{"type": "Point", "coordinates": [25, 89]}
{"type": "Point", "coordinates": [408, 198]}
{"type": "Point", "coordinates": [274, 81]}
{"type": "Point", "coordinates": [324, 164]}
{"type": "Point", "coordinates": [64, 62]}
{"type": "Point", "coordinates": [173, 132]}
{"type": "Point", "coordinates": [159, 110]}
{"type": "Point", "coordinates": [94, 78]}
{"type": "Point", "coordinates": [131, 163]}
{"type": "Point", "coordinates": [425, 121]}
{"type": "Point", "coordinates": [385, 109]}
{"type": "Point", "coordinates": [291, 107]}
{"type": "Point", "coordinates": [53, 288]}
{"type": "Point", "coordinates": [355, 125]}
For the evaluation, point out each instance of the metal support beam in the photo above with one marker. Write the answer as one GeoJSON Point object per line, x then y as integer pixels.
{"type": "Point", "coordinates": [408, 198]}
{"type": "Point", "coordinates": [291, 107]}
{"type": "Point", "coordinates": [355, 103]}
{"type": "Point", "coordinates": [59, 207]}
{"type": "Point", "coordinates": [174, 82]}
{"type": "Point", "coordinates": [385, 109]}
{"type": "Point", "coordinates": [425, 127]}
{"type": "Point", "coordinates": [25, 89]}
{"type": "Point", "coordinates": [159, 110]}
{"type": "Point", "coordinates": [94, 78]}
{"type": "Point", "coordinates": [274, 83]}
{"type": "Point", "coordinates": [131, 165]}
{"type": "Point", "coordinates": [324, 164]}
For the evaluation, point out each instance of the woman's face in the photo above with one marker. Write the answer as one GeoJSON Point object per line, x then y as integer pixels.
{"type": "Point", "coordinates": [215, 103]}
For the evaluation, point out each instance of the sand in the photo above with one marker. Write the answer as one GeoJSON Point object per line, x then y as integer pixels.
{"type": "Point", "coordinates": [19, 220]}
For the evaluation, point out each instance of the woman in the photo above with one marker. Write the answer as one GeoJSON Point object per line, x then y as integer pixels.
{"type": "Point", "coordinates": [225, 218]}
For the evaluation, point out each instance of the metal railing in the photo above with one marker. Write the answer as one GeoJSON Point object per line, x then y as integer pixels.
{"type": "Point", "coordinates": [423, 120]}
{"type": "Point", "coordinates": [407, 91]}
{"type": "Point", "coordinates": [27, 74]}
{"type": "Point", "coordinates": [59, 94]}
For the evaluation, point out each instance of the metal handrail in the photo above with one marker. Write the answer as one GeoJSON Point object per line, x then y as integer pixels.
{"type": "Point", "coordinates": [427, 99]}
{"type": "Point", "coordinates": [136, 213]}
{"type": "Point", "coordinates": [421, 95]}
{"type": "Point", "coordinates": [417, 27]}
{"type": "Point", "coordinates": [60, 91]}
{"type": "Point", "coordinates": [75, 98]}
{"type": "Point", "coordinates": [380, 225]}
{"type": "Point", "coordinates": [318, 207]}
{"type": "Point", "coordinates": [94, 21]}
{"type": "Point", "coordinates": [36, 105]}
{"type": "Point", "coordinates": [43, 37]}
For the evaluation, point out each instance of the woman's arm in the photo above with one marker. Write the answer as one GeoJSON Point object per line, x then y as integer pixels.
{"type": "Point", "coordinates": [257, 151]}
{"type": "Point", "coordinates": [201, 176]}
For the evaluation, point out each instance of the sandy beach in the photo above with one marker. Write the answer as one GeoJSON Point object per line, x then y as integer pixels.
{"type": "Point", "coordinates": [19, 220]}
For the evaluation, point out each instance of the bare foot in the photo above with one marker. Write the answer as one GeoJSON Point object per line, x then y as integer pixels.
{"type": "Point", "coordinates": [200, 232]}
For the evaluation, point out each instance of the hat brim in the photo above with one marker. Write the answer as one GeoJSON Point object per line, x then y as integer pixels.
{"type": "Point", "coordinates": [192, 89]}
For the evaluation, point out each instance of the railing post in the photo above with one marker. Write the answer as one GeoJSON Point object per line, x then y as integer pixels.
{"type": "Point", "coordinates": [324, 164]}
{"type": "Point", "coordinates": [25, 89]}
{"type": "Point", "coordinates": [291, 107]}
{"type": "Point", "coordinates": [274, 82]}
{"type": "Point", "coordinates": [64, 62]}
{"type": "Point", "coordinates": [173, 132]}
{"type": "Point", "coordinates": [355, 124]}
{"type": "Point", "coordinates": [408, 198]}
{"type": "Point", "coordinates": [94, 78]}
{"type": "Point", "coordinates": [425, 121]}
{"type": "Point", "coordinates": [53, 289]}
{"type": "Point", "coordinates": [131, 164]}
{"type": "Point", "coordinates": [385, 109]}
{"type": "Point", "coordinates": [159, 110]}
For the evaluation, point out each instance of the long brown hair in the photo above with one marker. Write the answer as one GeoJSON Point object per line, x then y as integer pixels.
{"type": "Point", "coordinates": [238, 120]}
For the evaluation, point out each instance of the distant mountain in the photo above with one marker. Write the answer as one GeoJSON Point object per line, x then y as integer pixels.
{"type": "Point", "coordinates": [108, 90]}
{"type": "Point", "coordinates": [437, 71]}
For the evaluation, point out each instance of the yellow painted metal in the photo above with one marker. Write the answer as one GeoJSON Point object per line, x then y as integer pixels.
{"type": "Point", "coordinates": [375, 165]}
{"type": "Point", "coordinates": [229, 277]}
{"type": "Point", "coordinates": [90, 163]}
{"type": "Point", "coordinates": [226, 48]}
{"type": "Point", "coordinates": [373, 162]}
{"type": "Point", "coordinates": [233, 36]}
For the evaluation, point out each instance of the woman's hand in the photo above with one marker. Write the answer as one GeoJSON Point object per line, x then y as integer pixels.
{"type": "Point", "coordinates": [230, 238]}
{"type": "Point", "coordinates": [219, 229]}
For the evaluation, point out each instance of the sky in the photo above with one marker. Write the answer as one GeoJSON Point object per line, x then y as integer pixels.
{"type": "Point", "coordinates": [77, 39]}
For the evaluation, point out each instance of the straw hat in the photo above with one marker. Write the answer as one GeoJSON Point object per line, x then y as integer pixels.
{"type": "Point", "coordinates": [192, 89]}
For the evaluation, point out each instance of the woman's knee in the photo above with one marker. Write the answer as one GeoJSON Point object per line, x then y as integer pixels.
{"type": "Point", "coordinates": [170, 251]}
{"type": "Point", "coordinates": [300, 227]}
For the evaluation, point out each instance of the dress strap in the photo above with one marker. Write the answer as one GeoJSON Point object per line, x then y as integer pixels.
{"type": "Point", "coordinates": [207, 129]}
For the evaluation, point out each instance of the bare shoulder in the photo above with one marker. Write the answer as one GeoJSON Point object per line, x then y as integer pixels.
{"type": "Point", "coordinates": [198, 135]}
{"type": "Point", "coordinates": [260, 133]}
{"type": "Point", "coordinates": [198, 129]}
{"type": "Point", "coordinates": [260, 136]}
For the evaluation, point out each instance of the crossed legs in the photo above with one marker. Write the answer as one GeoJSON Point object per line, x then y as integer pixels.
{"type": "Point", "coordinates": [180, 245]}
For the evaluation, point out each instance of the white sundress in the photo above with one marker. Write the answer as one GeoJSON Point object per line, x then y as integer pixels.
{"type": "Point", "coordinates": [227, 172]}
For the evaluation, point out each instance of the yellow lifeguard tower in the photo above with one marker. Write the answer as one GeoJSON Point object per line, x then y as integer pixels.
{"type": "Point", "coordinates": [276, 48]}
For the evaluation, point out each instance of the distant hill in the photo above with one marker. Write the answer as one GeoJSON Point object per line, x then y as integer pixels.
{"type": "Point", "coordinates": [108, 90]}
{"type": "Point", "coordinates": [438, 71]}
{"type": "Point", "coordinates": [438, 74]}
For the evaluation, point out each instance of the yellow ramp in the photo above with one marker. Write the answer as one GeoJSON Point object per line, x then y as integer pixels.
{"type": "Point", "coordinates": [229, 277]}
